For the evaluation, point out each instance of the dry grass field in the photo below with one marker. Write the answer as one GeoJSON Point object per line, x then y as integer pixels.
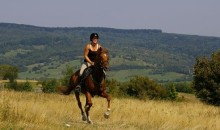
{"type": "Point", "coordinates": [39, 111]}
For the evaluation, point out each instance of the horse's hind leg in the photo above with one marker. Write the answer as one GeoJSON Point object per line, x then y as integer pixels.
{"type": "Point", "coordinates": [80, 107]}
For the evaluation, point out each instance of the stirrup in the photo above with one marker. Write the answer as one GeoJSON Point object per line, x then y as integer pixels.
{"type": "Point", "coordinates": [78, 89]}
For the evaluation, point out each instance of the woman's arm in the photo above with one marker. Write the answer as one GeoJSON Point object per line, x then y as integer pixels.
{"type": "Point", "coordinates": [86, 52]}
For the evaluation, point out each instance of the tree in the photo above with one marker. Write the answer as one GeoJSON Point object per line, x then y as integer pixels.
{"type": "Point", "coordinates": [8, 72]}
{"type": "Point", "coordinates": [206, 80]}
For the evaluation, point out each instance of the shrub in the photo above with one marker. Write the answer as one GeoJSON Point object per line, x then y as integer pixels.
{"type": "Point", "coordinates": [67, 73]}
{"type": "Point", "coordinates": [184, 87]}
{"type": "Point", "coordinates": [113, 88]}
{"type": "Point", "coordinates": [12, 85]}
{"type": "Point", "coordinates": [26, 86]}
{"type": "Point", "coordinates": [143, 87]}
{"type": "Point", "coordinates": [171, 91]}
{"type": "Point", "coordinates": [206, 80]}
{"type": "Point", "coordinates": [19, 86]}
{"type": "Point", "coordinates": [49, 86]}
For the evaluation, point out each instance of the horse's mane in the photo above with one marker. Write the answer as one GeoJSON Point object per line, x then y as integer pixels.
{"type": "Point", "coordinates": [99, 52]}
{"type": "Point", "coordinates": [102, 50]}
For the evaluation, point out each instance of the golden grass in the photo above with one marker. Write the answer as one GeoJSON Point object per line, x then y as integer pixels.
{"type": "Point", "coordinates": [39, 111]}
{"type": "Point", "coordinates": [19, 81]}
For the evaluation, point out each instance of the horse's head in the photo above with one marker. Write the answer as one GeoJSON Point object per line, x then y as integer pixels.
{"type": "Point", "coordinates": [102, 58]}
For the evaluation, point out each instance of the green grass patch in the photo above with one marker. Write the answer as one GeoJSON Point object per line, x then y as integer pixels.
{"type": "Point", "coordinates": [125, 75]}
{"type": "Point", "coordinates": [53, 70]}
{"type": "Point", "coordinates": [13, 53]}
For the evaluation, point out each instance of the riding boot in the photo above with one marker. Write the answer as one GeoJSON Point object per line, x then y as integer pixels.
{"type": "Point", "coordinates": [78, 87]}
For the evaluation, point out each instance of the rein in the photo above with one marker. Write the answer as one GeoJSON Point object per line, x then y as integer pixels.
{"type": "Point", "coordinates": [99, 71]}
{"type": "Point", "coordinates": [95, 81]}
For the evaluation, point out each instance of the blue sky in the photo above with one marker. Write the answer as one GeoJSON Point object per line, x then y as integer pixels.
{"type": "Point", "coordinates": [196, 17]}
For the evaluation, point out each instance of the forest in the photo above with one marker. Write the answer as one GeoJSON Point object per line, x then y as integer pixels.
{"type": "Point", "coordinates": [36, 50]}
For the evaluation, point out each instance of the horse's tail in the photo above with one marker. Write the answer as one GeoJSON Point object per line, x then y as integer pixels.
{"type": "Point", "coordinates": [66, 90]}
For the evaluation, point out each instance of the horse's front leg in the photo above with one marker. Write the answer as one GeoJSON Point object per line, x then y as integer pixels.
{"type": "Point", "coordinates": [80, 106]}
{"type": "Point", "coordinates": [105, 95]}
{"type": "Point", "coordinates": [88, 106]}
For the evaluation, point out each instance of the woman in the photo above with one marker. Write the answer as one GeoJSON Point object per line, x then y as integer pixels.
{"type": "Point", "coordinates": [90, 52]}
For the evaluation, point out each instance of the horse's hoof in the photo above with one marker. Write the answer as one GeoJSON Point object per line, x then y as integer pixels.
{"type": "Point", "coordinates": [90, 122]}
{"type": "Point", "coordinates": [84, 118]}
{"type": "Point", "coordinates": [106, 115]}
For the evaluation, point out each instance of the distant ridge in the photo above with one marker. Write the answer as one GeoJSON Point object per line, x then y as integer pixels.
{"type": "Point", "coordinates": [22, 26]}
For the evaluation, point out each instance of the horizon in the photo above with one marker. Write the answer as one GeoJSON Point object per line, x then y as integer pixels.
{"type": "Point", "coordinates": [198, 17]}
{"type": "Point", "coordinates": [111, 28]}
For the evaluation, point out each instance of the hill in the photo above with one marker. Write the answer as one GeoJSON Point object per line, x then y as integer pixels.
{"type": "Point", "coordinates": [42, 52]}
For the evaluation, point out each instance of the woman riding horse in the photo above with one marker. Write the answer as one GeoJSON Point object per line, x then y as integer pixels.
{"type": "Point", "coordinates": [94, 84]}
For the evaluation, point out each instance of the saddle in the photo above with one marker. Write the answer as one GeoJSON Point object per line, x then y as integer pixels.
{"type": "Point", "coordinates": [87, 72]}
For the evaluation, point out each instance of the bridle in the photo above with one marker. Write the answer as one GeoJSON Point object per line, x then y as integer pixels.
{"type": "Point", "coordinates": [102, 63]}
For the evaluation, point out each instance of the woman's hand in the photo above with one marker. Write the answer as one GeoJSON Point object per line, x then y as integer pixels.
{"type": "Point", "coordinates": [92, 63]}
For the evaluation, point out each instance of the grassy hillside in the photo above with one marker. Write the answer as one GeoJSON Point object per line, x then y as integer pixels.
{"type": "Point", "coordinates": [19, 110]}
{"type": "Point", "coordinates": [41, 52]}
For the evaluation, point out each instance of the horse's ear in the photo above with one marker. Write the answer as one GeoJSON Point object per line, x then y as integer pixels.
{"type": "Point", "coordinates": [104, 50]}
{"type": "Point", "coordinates": [99, 50]}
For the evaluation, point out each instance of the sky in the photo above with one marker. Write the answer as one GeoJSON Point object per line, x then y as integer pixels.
{"type": "Point", "coordinates": [193, 17]}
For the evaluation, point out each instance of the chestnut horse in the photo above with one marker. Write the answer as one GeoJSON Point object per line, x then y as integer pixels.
{"type": "Point", "coordinates": [94, 84]}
